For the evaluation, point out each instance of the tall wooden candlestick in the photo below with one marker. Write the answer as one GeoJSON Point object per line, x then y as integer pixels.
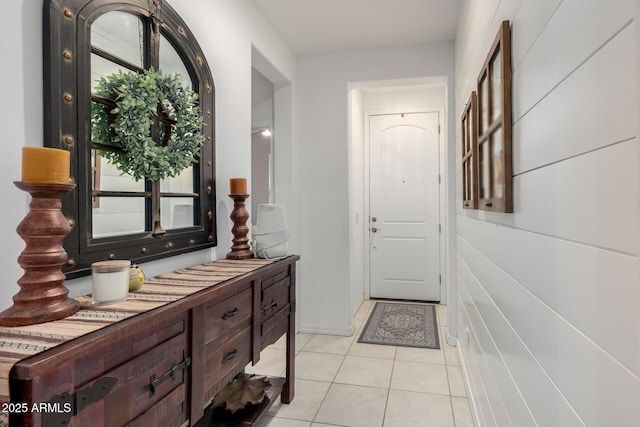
{"type": "Point", "coordinates": [240, 248]}
{"type": "Point", "coordinates": [42, 296]}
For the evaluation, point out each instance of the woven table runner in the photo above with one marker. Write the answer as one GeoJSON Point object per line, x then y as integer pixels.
{"type": "Point", "coordinates": [17, 343]}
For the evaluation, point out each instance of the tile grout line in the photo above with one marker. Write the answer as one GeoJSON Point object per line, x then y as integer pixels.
{"type": "Point", "coordinates": [386, 401]}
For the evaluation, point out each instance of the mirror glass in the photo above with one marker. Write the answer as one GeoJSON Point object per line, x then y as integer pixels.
{"type": "Point", "coordinates": [497, 147]}
{"type": "Point", "coordinates": [116, 34]}
{"type": "Point", "coordinates": [170, 61]}
{"type": "Point", "coordinates": [465, 178]}
{"type": "Point", "coordinates": [484, 170]}
{"type": "Point", "coordinates": [115, 216]}
{"type": "Point", "coordinates": [120, 34]}
{"type": "Point", "coordinates": [483, 96]}
{"type": "Point", "coordinates": [496, 86]}
{"type": "Point", "coordinates": [467, 141]}
{"type": "Point", "coordinates": [116, 38]}
{"type": "Point", "coordinates": [101, 67]}
{"type": "Point", "coordinates": [176, 211]}
{"type": "Point", "coordinates": [118, 216]}
{"type": "Point", "coordinates": [470, 180]}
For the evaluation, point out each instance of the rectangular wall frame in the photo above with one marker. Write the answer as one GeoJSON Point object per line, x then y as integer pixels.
{"type": "Point", "coordinates": [495, 191]}
{"type": "Point", "coordinates": [470, 153]}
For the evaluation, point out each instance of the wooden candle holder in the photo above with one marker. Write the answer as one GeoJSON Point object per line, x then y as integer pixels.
{"type": "Point", "coordinates": [240, 248]}
{"type": "Point", "coordinates": [42, 296]}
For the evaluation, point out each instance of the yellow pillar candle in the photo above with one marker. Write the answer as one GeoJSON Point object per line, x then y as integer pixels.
{"type": "Point", "coordinates": [238, 186]}
{"type": "Point", "coordinates": [43, 165]}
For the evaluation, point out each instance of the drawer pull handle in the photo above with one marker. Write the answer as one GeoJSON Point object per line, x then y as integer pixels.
{"type": "Point", "coordinates": [230, 314]}
{"type": "Point", "coordinates": [156, 381]}
{"type": "Point", "coordinates": [229, 356]}
{"type": "Point", "coordinates": [270, 307]}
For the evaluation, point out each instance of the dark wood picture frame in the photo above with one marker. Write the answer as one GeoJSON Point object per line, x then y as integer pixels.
{"type": "Point", "coordinates": [470, 153]}
{"type": "Point", "coordinates": [495, 189]}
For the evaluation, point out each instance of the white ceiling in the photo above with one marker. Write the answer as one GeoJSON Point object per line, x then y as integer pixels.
{"type": "Point", "coordinates": [311, 26]}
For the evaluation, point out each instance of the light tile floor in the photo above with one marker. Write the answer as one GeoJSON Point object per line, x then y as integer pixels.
{"type": "Point", "coordinates": [340, 382]}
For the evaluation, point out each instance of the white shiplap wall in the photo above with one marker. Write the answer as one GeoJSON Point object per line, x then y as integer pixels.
{"type": "Point", "coordinates": [548, 295]}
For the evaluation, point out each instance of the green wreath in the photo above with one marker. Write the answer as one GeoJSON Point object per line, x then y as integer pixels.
{"type": "Point", "coordinates": [128, 127]}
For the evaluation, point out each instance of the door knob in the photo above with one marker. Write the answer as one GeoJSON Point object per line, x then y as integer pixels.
{"type": "Point", "coordinates": [374, 219]}
{"type": "Point", "coordinates": [374, 230]}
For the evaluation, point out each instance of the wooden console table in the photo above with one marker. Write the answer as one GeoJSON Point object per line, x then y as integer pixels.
{"type": "Point", "coordinates": [160, 366]}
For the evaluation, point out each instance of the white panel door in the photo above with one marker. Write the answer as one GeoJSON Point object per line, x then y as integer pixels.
{"type": "Point", "coordinates": [404, 207]}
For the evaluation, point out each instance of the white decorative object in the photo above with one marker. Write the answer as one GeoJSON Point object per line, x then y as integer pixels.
{"type": "Point", "coordinates": [110, 281]}
{"type": "Point", "coordinates": [272, 232]}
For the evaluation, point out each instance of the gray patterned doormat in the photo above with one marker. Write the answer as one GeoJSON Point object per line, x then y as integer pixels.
{"type": "Point", "coordinates": [406, 325]}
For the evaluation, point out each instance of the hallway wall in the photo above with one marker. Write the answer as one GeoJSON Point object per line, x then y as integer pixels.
{"type": "Point", "coordinates": [322, 134]}
{"type": "Point", "coordinates": [547, 318]}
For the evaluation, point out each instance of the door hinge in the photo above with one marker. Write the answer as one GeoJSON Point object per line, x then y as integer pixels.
{"type": "Point", "coordinates": [440, 278]}
{"type": "Point", "coordinates": [440, 228]}
{"type": "Point", "coordinates": [438, 129]}
{"type": "Point", "coordinates": [439, 178]}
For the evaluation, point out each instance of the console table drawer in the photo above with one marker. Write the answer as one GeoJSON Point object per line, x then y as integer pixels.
{"type": "Point", "coordinates": [275, 278]}
{"type": "Point", "coordinates": [225, 359]}
{"type": "Point", "coordinates": [275, 327]}
{"type": "Point", "coordinates": [169, 412]}
{"type": "Point", "coordinates": [275, 297]}
{"type": "Point", "coordinates": [154, 379]}
{"type": "Point", "coordinates": [226, 314]}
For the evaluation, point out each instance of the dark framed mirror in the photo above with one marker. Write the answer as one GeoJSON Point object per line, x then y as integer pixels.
{"type": "Point", "coordinates": [113, 216]}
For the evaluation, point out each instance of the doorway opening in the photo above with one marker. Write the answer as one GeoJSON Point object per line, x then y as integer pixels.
{"type": "Point", "coordinates": [272, 155]}
{"type": "Point", "coordinates": [262, 140]}
{"type": "Point", "coordinates": [368, 99]}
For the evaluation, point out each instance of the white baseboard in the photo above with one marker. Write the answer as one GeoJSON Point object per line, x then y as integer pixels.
{"type": "Point", "coordinates": [357, 306]}
{"type": "Point", "coordinates": [319, 329]}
